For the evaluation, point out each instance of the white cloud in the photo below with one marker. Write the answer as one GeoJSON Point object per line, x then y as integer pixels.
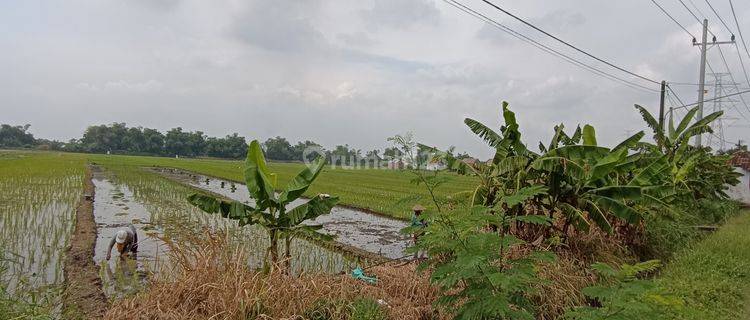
{"type": "Point", "coordinates": [334, 72]}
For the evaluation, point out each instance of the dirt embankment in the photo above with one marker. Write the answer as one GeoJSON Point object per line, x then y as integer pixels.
{"type": "Point", "coordinates": [83, 296]}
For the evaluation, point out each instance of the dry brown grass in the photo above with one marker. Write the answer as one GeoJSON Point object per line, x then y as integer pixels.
{"type": "Point", "coordinates": [211, 281]}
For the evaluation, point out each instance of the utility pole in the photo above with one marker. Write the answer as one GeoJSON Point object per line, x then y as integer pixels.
{"type": "Point", "coordinates": [702, 76]}
{"type": "Point", "coordinates": [661, 110]}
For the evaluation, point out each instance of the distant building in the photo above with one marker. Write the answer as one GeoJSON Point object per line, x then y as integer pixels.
{"type": "Point", "coordinates": [741, 162]}
{"type": "Point", "coordinates": [470, 161]}
{"type": "Point", "coordinates": [397, 164]}
{"type": "Point", "coordinates": [436, 165]}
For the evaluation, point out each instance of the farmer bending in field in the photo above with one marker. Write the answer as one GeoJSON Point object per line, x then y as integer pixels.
{"type": "Point", "coordinates": [126, 240]}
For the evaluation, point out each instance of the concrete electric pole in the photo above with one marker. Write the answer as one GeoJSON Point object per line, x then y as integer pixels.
{"type": "Point", "coordinates": [702, 75]}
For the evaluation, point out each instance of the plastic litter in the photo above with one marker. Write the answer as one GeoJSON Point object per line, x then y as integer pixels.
{"type": "Point", "coordinates": [358, 273]}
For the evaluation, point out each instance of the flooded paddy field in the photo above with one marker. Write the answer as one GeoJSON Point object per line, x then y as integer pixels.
{"type": "Point", "coordinates": [158, 208]}
{"type": "Point", "coordinates": [38, 198]}
{"type": "Point", "coordinates": [357, 228]}
{"type": "Point", "coordinates": [41, 192]}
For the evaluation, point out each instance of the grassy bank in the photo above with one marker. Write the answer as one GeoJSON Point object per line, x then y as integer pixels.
{"type": "Point", "coordinates": [711, 276]}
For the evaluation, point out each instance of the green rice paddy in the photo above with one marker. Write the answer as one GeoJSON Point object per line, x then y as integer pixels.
{"type": "Point", "coordinates": [39, 192]}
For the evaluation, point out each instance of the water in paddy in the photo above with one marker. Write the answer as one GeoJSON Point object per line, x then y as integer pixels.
{"type": "Point", "coordinates": [157, 207]}
{"type": "Point", "coordinates": [36, 220]}
{"type": "Point", "coordinates": [357, 228]}
{"type": "Point", "coordinates": [115, 209]}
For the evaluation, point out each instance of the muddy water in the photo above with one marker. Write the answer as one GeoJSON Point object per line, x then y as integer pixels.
{"type": "Point", "coordinates": [36, 220]}
{"type": "Point", "coordinates": [360, 229]}
{"type": "Point", "coordinates": [114, 209]}
{"type": "Point", "coordinates": [157, 207]}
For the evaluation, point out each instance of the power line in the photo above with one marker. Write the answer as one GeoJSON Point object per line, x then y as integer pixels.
{"type": "Point", "coordinates": [568, 44]}
{"type": "Point", "coordinates": [739, 31]}
{"type": "Point", "coordinates": [696, 17]}
{"type": "Point", "coordinates": [543, 47]}
{"type": "Point", "coordinates": [673, 19]}
{"type": "Point", "coordinates": [712, 99]}
{"type": "Point", "coordinates": [691, 11]}
{"type": "Point", "coordinates": [675, 94]}
{"type": "Point", "coordinates": [718, 16]}
{"type": "Point", "coordinates": [734, 82]}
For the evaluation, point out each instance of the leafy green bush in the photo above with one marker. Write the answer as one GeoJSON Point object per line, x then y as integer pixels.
{"type": "Point", "coordinates": [474, 267]}
{"type": "Point", "coordinates": [622, 296]}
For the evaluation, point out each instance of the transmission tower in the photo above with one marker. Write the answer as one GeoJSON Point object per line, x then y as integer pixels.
{"type": "Point", "coordinates": [721, 89]}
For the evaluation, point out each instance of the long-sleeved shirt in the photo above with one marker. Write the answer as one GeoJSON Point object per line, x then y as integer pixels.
{"type": "Point", "coordinates": [131, 241]}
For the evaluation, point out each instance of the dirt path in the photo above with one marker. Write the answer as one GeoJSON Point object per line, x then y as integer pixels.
{"type": "Point", "coordinates": [83, 296]}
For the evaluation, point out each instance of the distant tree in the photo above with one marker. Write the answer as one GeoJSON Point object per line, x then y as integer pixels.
{"type": "Point", "coordinates": [392, 153]}
{"type": "Point", "coordinates": [134, 141]}
{"type": "Point", "coordinates": [74, 145]}
{"type": "Point", "coordinates": [341, 155]}
{"type": "Point", "coordinates": [105, 138]}
{"type": "Point", "coordinates": [314, 150]}
{"type": "Point", "coordinates": [233, 147]}
{"type": "Point", "coordinates": [176, 142]}
{"type": "Point", "coordinates": [153, 141]}
{"type": "Point", "coordinates": [373, 154]}
{"type": "Point", "coordinates": [236, 146]}
{"type": "Point", "coordinates": [44, 144]}
{"type": "Point", "coordinates": [16, 136]}
{"type": "Point", "coordinates": [278, 149]}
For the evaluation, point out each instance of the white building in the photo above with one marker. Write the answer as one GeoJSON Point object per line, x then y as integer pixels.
{"type": "Point", "coordinates": [741, 163]}
{"type": "Point", "coordinates": [436, 166]}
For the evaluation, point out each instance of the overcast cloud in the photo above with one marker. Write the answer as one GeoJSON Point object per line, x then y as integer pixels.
{"type": "Point", "coordinates": [341, 72]}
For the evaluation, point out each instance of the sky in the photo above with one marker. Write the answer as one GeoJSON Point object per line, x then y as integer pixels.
{"type": "Point", "coordinates": [350, 72]}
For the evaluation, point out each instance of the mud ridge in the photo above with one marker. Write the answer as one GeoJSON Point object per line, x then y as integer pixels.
{"type": "Point", "coordinates": [83, 296]}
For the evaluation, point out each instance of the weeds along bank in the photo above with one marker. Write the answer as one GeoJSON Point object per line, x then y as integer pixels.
{"type": "Point", "coordinates": [709, 278]}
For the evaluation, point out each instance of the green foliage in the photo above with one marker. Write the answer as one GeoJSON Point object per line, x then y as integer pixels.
{"type": "Point", "coordinates": [15, 136]}
{"type": "Point", "coordinates": [478, 278]}
{"type": "Point", "coordinates": [710, 277]}
{"type": "Point", "coordinates": [270, 210]}
{"type": "Point", "coordinates": [622, 295]}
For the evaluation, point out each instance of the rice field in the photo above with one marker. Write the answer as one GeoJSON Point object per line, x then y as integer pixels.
{"type": "Point", "coordinates": [379, 190]}
{"type": "Point", "coordinates": [38, 197]}
{"type": "Point", "coordinates": [40, 191]}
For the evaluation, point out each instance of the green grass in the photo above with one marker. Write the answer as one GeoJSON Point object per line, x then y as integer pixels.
{"type": "Point", "coordinates": [712, 276]}
{"type": "Point", "coordinates": [372, 189]}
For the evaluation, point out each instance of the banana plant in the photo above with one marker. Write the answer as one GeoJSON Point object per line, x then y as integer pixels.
{"type": "Point", "coordinates": [507, 171]}
{"type": "Point", "coordinates": [675, 140]}
{"type": "Point", "coordinates": [270, 208]}
{"type": "Point", "coordinates": [586, 179]}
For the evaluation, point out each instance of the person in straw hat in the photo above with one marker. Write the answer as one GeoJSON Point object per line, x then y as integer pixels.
{"type": "Point", "coordinates": [126, 240]}
{"type": "Point", "coordinates": [418, 224]}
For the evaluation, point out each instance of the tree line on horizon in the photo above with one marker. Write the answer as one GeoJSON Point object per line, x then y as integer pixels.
{"type": "Point", "coordinates": [118, 138]}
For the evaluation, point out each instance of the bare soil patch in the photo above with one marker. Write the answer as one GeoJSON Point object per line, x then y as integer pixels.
{"type": "Point", "coordinates": [83, 296]}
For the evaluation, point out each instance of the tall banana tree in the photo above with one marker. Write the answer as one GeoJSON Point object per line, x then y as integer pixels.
{"type": "Point", "coordinates": [270, 208]}
{"type": "Point", "coordinates": [674, 141]}
{"type": "Point", "coordinates": [695, 173]}
{"type": "Point", "coordinates": [507, 171]}
{"type": "Point", "coordinates": [586, 179]}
